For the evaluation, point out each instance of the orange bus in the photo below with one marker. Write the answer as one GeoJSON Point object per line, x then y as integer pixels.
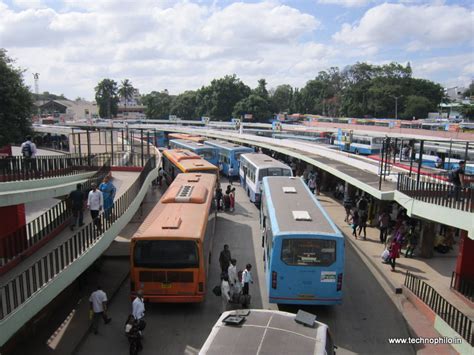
{"type": "Point", "coordinates": [189, 137]}
{"type": "Point", "coordinates": [176, 161]}
{"type": "Point", "coordinates": [171, 251]}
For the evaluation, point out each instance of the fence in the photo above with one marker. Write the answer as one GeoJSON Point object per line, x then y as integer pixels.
{"type": "Point", "coordinates": [18, 290]}
{"type": "Point", "coordinates": [450, 314]}
{"type": "Point", "coordinates": [463, 285]}
{"type": "Point", "coordinates": [34, 234]}
{"type": "Point", "coordinates": [436, 190]}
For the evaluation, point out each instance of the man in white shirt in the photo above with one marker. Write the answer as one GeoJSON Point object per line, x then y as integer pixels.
{"type": "Point", "coordinates": [98, 307]}
{"type": "Point", "coordinates": [246, 279]}
{"type": "Point", "coordinates": [233, 278]}
{"type": "Point", "coordinates": [95, 202]}
{"type": "Point", "coordinates": [138, 306]}
{"type": "Point", "coordinates": [29, 151]}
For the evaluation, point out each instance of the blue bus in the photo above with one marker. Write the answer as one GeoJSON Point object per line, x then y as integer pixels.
{"type": "Point", "coordinates": [229, 155]}
{"type": "Point", "coordinates": [254, 167]}
{"type": "Point", "coordinates": [303, 249]}
{"type": "Point", "coordinates": [208, 153]}
{"type": "Point", "coordinates": [358, 143]}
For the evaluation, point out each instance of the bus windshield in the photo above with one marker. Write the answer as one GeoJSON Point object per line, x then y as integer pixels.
{"type": "Point", "coordinates": [206, 154]}
{"type": "Point", "coordinates": [308, 252]}
{"type": "Point", "coordinates": [166, 254]}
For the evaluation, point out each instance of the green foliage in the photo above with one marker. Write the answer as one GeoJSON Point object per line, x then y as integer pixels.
{"type": "Point", "coordinates": [219, 98]}
{"type": "Point", "coordinates": [107, 98]}
{"type": "Point", "coordinates": [184, 105]}
{"type": "Point", "coordinates": [256, 105]}
{"type": "Point", "coordinates": [16, 103]}
{"type": "Point", "coordinates": [469, 92]}
{"type": "Point", "coordinates": [158, 104]}
{"type": "Point", "coordinates": [282, 98]}
{"type": "Point", "coordinates": [418, 107]}
{"type": "Point", "coordinates": [468, 112]}
{"type": "Point", "coordinates": [126, 90]}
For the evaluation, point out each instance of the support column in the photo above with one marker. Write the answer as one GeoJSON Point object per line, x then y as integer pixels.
{"type": "Point", "coordinates": [427, 239]}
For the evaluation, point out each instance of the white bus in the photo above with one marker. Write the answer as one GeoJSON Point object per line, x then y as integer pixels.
{"type": "Point", "coordinates": [264, 331]}
{"type": "Point", "coordinates": [254, 167]}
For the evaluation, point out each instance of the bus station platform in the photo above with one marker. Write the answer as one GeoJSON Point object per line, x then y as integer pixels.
{"type": "Point", "coordinates": [114, 267]}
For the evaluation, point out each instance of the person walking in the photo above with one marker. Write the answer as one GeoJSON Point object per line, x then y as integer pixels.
{"type": "Point", "coordinates": [363, 224]}
{"type": "Point", "coordinates": [456, 177]}
{"type": "Point", "coordinates": [384, 224]}
{"type": "Point", "coordinates": [98, 308]}
{"type": "Point", "coordinates": [233, 278]}
{"type": "Point", "coordinates": [355, 222]}
{"type": "Point", "coordinates": [95, 203]}
{"type": "Point", "coordinates": [312, 184]}
{"type": "Point", "coordinates": [161, 173]}
{"type": "Point", "coordinates": [394, 252]}
{"type": "Point", "coordinates": [362, 205]}
{"type": "Point", "coordinates": [219, 197]}
{"type": "Point", "coordinates": [29, 151]}
{"type": "Point", "coordinates": [138, 309]}
{"type": "Point", "coordinates": [347, 206]}
{"type": "Point", "coordinates": [108, 193]}
{"type": "Point", "coordinates": [246, 279]}
{"type": "Point", "coordinates": [412, 242]}
{"type": "Point", "coordinates": [225, 293]}
{"type": "Point", "coordinates": [232, 199]}
{"type": "Point", "coordinates": [76, 198]}
{"type": "Point", "coordinates": [224, 259]}
{"type": "Point", "coordinates": [230, 173]}
{"type": "Point", "coordinates": [227, 198]}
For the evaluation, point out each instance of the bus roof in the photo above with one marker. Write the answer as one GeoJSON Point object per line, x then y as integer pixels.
{"type": "Point", "coordinates": [182, 211]}
{"type": "Point", "coordinates": [263, 161]}
{"type": "Point", "coordinates": [191, 144]}
{"type": "Point", "coordinates": [187, 136]}
{"type": "Point", "coordinates": [188, 161]}
{"type": "Point", "coordinates": [265, 332]}
{"type": "Point", "coordinates": [227, 145]}
{"type": "Point", "coordinates": [293, 209]}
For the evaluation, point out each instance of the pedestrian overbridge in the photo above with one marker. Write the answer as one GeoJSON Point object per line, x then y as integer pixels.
{"type": "Point", "coordinates": [38, 278]}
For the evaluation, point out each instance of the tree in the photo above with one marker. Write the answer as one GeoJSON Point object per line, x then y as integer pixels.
{"type": "Point", "coordinates": [184, 105]}
{"type": "Point", "coordinates": [16, 103]}
{"type": "Point", "coordinates": [219, 98]}
{"type": "Point", "coordinates": [468, 112]}
{"type": "Point", "coordinates": [158, 104]}
{"type": "Point", "coordinates": [255, 105]}
{"type": "Point", "coordinates": [107, 98]}
{"type": "Point", "coordinates": [417, 106]}
{"type": "Point", "coordinates": [282, 98]}
{"type": "Point", "coordinates": [126, 91]}
{"type": "Point", "coordinates": [469, 92]}
{"type": "Point", "coordinates": [261, 89]}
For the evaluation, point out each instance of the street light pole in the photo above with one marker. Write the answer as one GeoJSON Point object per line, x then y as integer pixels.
{"type": "Point", "coordinates": [396, 105]}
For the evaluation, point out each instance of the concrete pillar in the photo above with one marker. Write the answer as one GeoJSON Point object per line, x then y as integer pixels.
{"type": "Point", "coordinates": [427, 239]}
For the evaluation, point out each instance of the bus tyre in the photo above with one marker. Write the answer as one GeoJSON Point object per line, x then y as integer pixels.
{"type": "Point", "coordinates": [356, 151]}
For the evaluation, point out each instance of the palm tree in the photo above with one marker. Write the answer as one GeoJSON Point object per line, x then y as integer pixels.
{"type": "Point", "coordinates": [126, 91]}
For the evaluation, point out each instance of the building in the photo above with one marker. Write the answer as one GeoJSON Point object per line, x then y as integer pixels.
{"type": "Point", "coordinates": [67, 110]}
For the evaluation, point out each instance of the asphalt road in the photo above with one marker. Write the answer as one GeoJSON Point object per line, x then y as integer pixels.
{"type": "Point", "coordinates": [362, 324]}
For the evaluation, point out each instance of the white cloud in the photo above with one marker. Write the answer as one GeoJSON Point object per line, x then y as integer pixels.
{"type": "Point", "coordinates": [419, 27]}
{"type": "Point", "coordinates": [346, 3]}
{"type": "Point", "coordinates": [29, 4]}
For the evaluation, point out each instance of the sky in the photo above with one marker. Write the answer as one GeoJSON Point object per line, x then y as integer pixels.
{"type": "Point", "coordinates": [183, 45]}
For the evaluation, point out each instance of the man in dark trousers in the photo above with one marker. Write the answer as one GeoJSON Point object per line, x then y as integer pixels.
{"type": "Point", "coordinates": [76, 198]}
{"type": "Point", "coordinates": [98, 308]}
{"type": "Point", "coordinates": [456, 177]}
{"type": "Point", "coordinates": [224, 259]}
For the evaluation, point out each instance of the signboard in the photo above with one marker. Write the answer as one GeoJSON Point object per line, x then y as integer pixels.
{"type": "Point", "coordinates": [236, 123]}
{"type": "Point", "coordinates": [173, 117]}
{"type": "Point", "coordinates": [276, 126]}
{"type": "Point", "coordinates": [248, 116]}
{"type": "Point", "coordinates": [328, 276]}
{"type": "Point", "coordinates": [205, 120]}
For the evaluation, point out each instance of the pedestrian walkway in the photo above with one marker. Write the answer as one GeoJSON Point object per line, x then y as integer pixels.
{"type": "Point", "coordinates": [110, 271]}
{"type": "Point", "coordinates": [435, 271]}
{"type": "Point", "coordinates": [121, 180]}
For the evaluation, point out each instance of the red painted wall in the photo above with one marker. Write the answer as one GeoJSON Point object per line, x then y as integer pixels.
{"type": "Point", "coordinates": [13, 219]}
{"type": "Point", "coordinates": [465, 262]}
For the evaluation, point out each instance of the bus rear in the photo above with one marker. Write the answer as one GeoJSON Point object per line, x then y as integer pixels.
{"type": "Point", "coordinates": [170, 251]}
{"type": "Point", "coordinates": [306, 269]}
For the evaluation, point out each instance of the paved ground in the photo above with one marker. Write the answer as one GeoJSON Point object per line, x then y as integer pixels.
{"type": "Point", "coordinates": [182, 329]}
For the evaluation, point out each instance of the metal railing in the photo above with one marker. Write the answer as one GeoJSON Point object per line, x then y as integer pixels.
{"type": "Point", "coordinates": [450, 314]}
{"type": "Point", "coordinates": [463, 285]}
{"type": "Point", "coordinates": [32, 235]}
{"type": "Point", "coordinates": [437, 190]}
{"type": "Point", "coordinates": [23, 286]}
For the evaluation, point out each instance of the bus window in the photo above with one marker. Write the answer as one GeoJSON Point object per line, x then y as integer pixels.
{"type": "Point", "coordinates": [207, 154]}
{"type": "Point", "coordinates": [173, 254]}
{"type": "Point", "coordinates": [308, 252]}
